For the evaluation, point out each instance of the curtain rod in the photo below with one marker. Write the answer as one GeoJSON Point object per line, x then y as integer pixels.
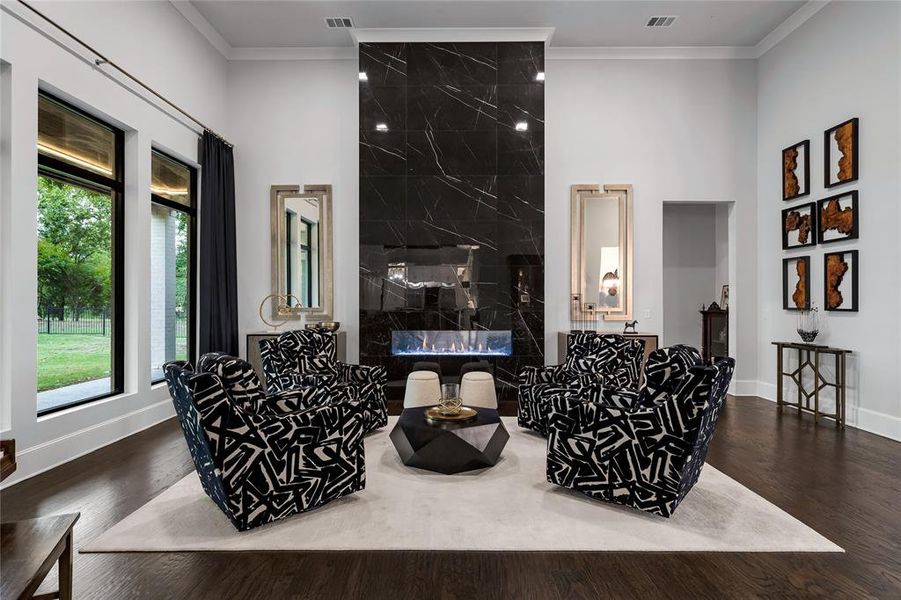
{"type": "Point", "coordinates": [103, 60]}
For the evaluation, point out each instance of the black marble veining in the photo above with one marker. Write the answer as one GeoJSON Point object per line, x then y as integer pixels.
{"type": "Point", "coordinates": [452, 196]}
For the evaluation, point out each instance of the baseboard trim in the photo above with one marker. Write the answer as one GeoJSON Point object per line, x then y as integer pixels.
{"type": "Point", "coordinates": [746, 387]}
{"type": "Point", "coordinates": [53, 453]}
{"type": "Point", "coordinates": [871, 421]}
{"type": "Point", "coordinates": [879, 423]}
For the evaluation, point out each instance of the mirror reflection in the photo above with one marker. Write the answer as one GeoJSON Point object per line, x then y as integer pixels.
{"type": "Point", "coordinates": [602, 266]}
{"type": "Point", "coordinates": [301, 268]}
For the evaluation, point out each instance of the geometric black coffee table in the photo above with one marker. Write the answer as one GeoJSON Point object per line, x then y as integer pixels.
{"type": "Point", "coordinates": [449, 447]}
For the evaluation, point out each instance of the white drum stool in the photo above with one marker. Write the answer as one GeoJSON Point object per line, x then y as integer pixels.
{"type": "Point", "coordinates": [477, 389]}
{"type": "Point", "coordinates": [423, 389]}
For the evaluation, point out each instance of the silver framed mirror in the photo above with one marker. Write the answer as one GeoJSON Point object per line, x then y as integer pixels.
{"type": "Point", "coordinates": [302, 271]}
{"type": "Point", "coordinates": [601, 252]}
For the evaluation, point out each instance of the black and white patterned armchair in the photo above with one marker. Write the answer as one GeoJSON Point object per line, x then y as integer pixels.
{"type": "Point", "coordinates": [663, 372]}
{"type": "Point", "coordinates": [647, 457]}
{"type": "Point", "coordinates": [595, 362]}
{"type": "Point", "coordinates": [257, 463]}
{"type": "Point", "coordinates": [307, 359]}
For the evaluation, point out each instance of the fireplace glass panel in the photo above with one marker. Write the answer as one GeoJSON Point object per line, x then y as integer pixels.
{"type": "Point", "coordinates": [472, 342]}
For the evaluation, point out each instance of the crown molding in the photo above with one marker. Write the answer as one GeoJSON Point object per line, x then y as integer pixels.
{"type": "Point", "coordinates": [193, 16]}
{"type": "Point", "coordinates": [453, 34]}
{"type": "Point", "coordinates": [784, 29]}
{"type": "Point", "coordinates": [311, 53]}
{"type": "Point", "coordinates": [650, 53]}
{"type": "Point", "coordinates": [499, 34]}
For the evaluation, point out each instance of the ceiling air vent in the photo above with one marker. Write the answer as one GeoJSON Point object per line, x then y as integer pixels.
{"type": "Point", "coordinates": [661, 21]}
{"type": "Point", "coordinates": [339, 22]}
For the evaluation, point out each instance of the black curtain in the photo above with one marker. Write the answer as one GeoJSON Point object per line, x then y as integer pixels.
{"type": "Point", "coordinates": [218, 271]}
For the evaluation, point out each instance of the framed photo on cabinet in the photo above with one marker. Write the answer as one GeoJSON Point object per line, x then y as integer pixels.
{"type": "Point", "coordinates": [838, 219]}
{"type": "Point", "coordinates": [799, 226]}
{"type": "Point", "coordinates": [842, 150]}
{"type": "Point", "coordinates": [840, 280]}
{"type": "Point", "coordinates": [796, 171]}
{"type": "Point", "coordinates": [796, 283]}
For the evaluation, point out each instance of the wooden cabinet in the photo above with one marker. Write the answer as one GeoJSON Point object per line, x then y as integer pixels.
{"type": "Point", "coordinates": [714, 334]}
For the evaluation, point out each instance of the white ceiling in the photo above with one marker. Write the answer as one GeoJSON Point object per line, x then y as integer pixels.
{"type": "Point", "coordinates": [300, 24]}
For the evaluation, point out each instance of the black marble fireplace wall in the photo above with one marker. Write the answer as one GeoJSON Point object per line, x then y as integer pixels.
{"type": "Point", "coordinates": [452, 196]}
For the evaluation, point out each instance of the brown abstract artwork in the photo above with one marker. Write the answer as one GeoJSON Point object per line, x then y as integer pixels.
{"type": "Point", "coordinates": [799, 226]}
{"type": "Point", "coordinates": [841, 146]}
{"type": "Point", "coordinates": [799, 297]}
{"type": "Point", "coordinates": [795, 221]}
{"type": "Point", "coordinates": [796, 170]}
{"type": "Point", "coordinates": [836, 267]}
{"type": "Point", "coordinates": [790, 185]}
{"type": "Point", "coordinates": [844, 138]}
{"type": "Point", "coordinates": [838, 218]}
{"type": "Point", "coordinates": [796, 283]}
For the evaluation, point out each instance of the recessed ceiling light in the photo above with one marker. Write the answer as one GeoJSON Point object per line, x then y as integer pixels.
{"type": "Point", "coordinates": [363, 76]}
{"type": "Point", "coordinates": [539, 76]}
{"type": "Point", "coordinates": [522, 126]}
{"type": "Point", "coordinates": [381, 127]}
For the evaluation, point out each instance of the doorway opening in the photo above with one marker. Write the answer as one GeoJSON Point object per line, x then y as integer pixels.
{"type": "Point", "coordinates": [697, 274]}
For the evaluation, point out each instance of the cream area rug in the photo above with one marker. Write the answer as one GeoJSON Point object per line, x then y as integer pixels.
{"type": "Point", "coordinates": [507, 507]}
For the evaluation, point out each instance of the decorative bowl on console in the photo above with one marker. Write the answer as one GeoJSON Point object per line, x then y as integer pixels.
{"type": "Point", "coordinates": [331, 326]}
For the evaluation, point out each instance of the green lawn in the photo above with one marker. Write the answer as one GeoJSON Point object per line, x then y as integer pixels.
{"type": "Point", "coordinates": [64, 359]}
{"type": "Point", "coordinates": [68, 358]}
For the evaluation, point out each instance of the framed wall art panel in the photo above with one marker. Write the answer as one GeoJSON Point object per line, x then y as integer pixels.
{"type": "Point", "coordinates": [796, 171]}
{"type": "Point", "coordinates": [840, 280]}
{"type": "Point", "coordinates": [799, 226]}
{"type": "Point", "coordinates": [837, 218]}
{"type": "Point", "coordinates": [796, 283]}
{"type": "Point", "coordinates": [841, 153]}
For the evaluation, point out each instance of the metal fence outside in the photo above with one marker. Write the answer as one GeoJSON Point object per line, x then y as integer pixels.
{"type": "Point", "coordinates": [89, 323]}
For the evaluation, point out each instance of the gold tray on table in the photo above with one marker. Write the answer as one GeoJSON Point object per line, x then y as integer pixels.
{"type": "Point", "coordinates": [466, 414]}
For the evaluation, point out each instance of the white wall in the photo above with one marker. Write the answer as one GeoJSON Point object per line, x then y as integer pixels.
{"type": "Point", "coordinates": [295, 122]}
{"type": "Point", "coordinates": [689, 269]}
{"type": "Point", "coordinates": [675, 129]}
{"type": "Point", "coordinates": [844, 62]}
{"type": "Point", "coordinates": [152, 40]}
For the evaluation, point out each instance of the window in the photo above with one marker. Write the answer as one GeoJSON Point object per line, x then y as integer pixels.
{"type": "Point", "coordinates": [172, 283]}
{"type": "Point", "coordinates": [80, 283]}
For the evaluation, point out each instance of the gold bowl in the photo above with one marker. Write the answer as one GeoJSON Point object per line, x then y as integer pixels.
{"type": "Point", "coordinates": [438, 415]}
{"type": "Point", "coordinates": [326, 325]}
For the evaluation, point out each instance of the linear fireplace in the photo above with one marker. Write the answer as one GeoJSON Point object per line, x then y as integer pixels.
{"type": "Point", "coordinates": [445, 343]}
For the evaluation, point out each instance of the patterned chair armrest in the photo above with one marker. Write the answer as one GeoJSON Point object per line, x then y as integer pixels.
{"type": "Point", "coordinates": [532, 375]}
{"type": "Point", "coordinates": [375, 374]}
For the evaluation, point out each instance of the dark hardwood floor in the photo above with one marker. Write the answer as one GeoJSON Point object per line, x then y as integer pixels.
{"type": "Point", "coordinates": [846, 485]}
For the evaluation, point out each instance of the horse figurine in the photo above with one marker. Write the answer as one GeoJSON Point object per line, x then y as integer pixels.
{"type": "Point", "coordinates": [630, 327]}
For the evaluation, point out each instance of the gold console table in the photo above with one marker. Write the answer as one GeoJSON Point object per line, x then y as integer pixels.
{"type": "Point", "coordinates": [809, 355]}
